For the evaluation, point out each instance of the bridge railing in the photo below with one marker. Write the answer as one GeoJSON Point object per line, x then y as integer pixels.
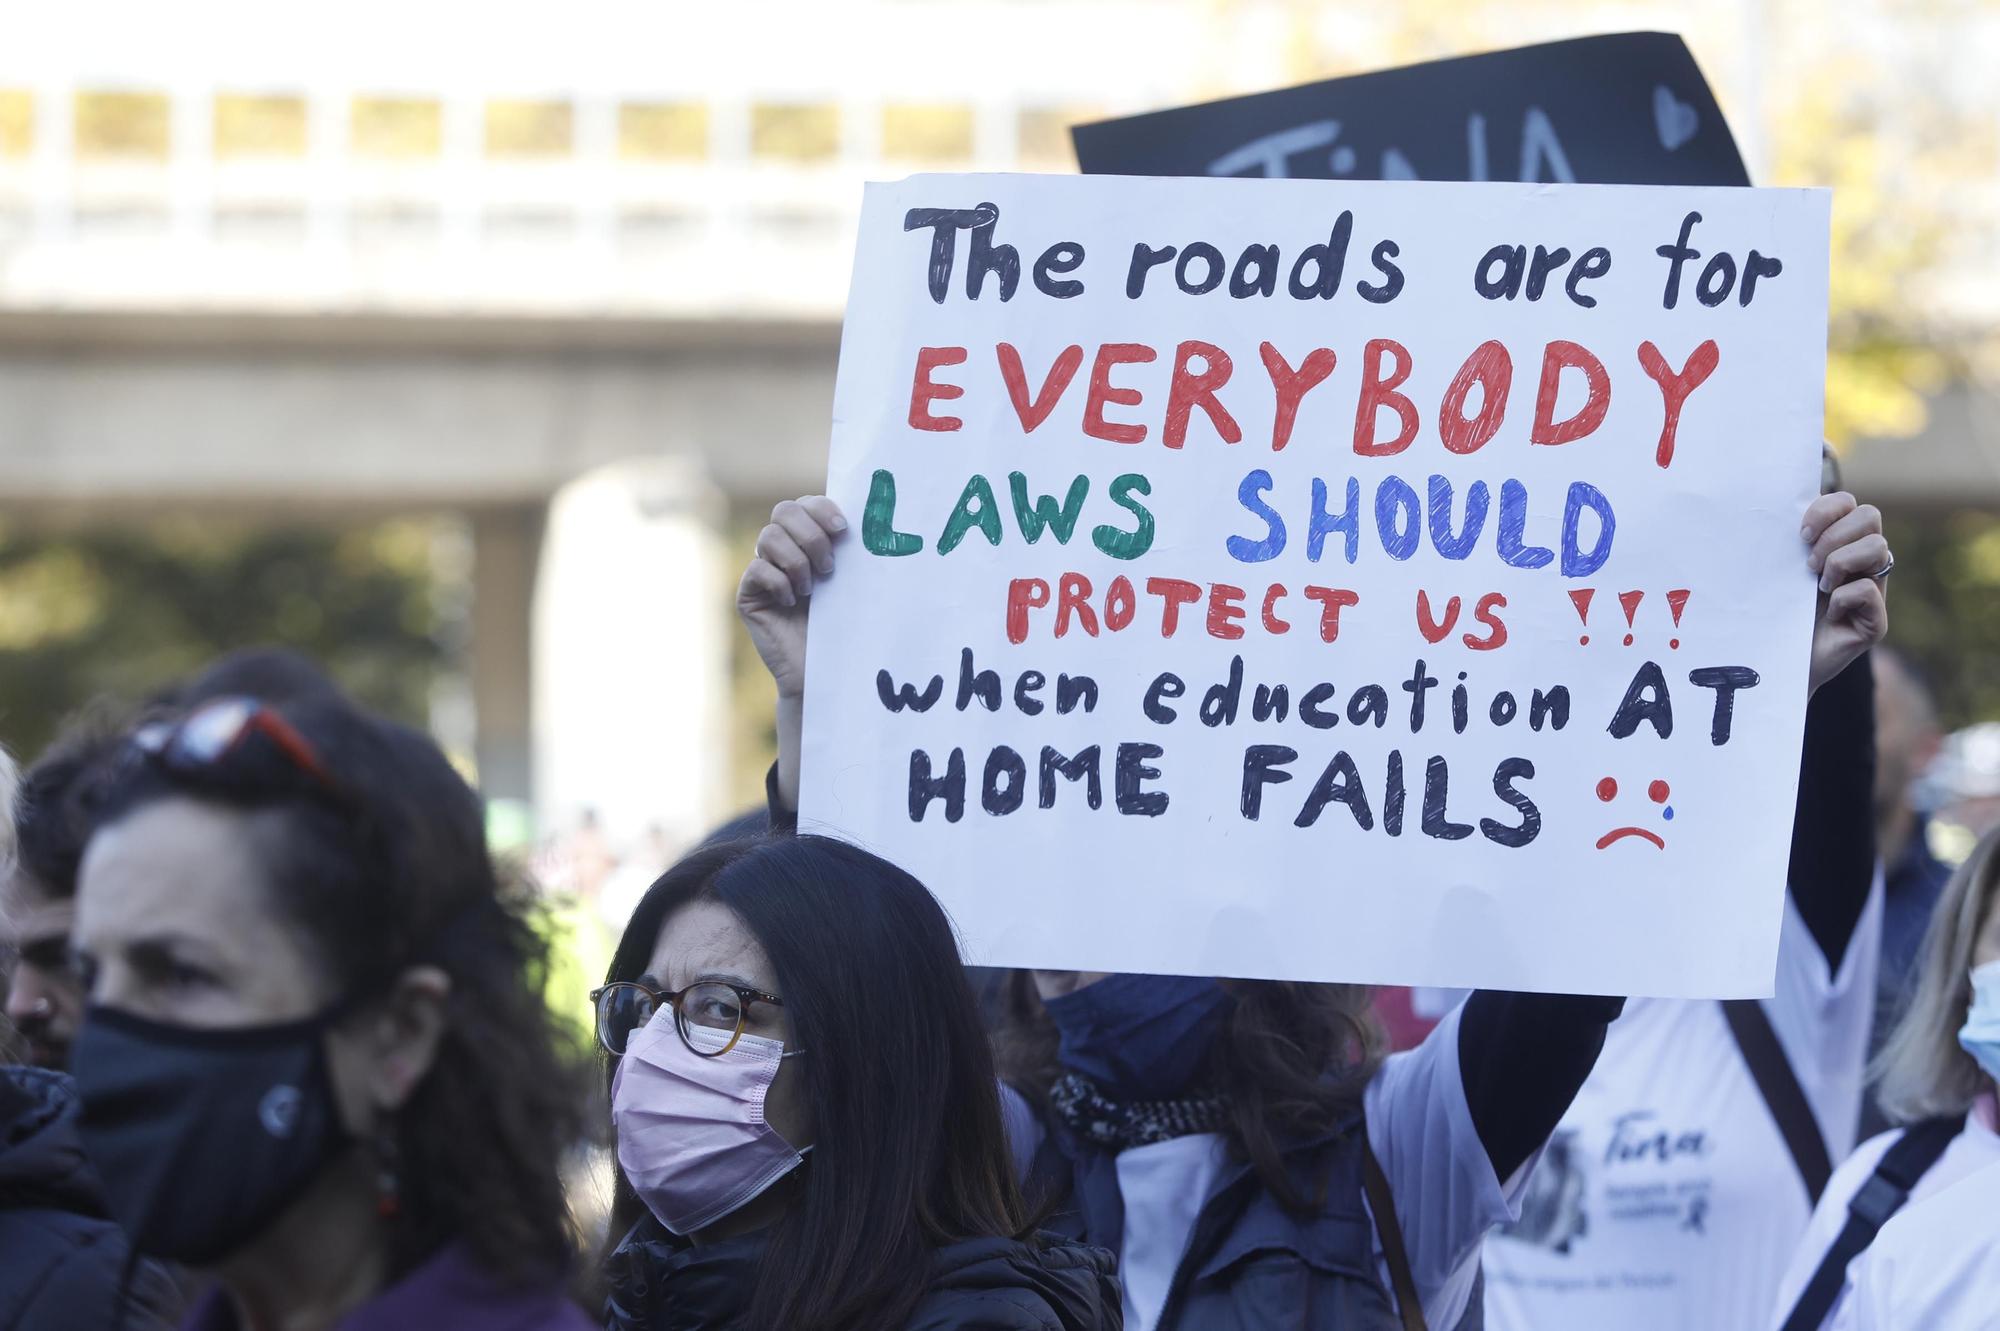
{"type": "Point", "coordinates": [160, 211]}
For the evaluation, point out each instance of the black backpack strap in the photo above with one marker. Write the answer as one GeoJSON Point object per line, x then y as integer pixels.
{"type": "Point", "coordinates": [1382, 1201]}
{"type": "Point", "coordinates": [1779, 1086]}
{"type": "Point", "coordinates": [1879, 1198]}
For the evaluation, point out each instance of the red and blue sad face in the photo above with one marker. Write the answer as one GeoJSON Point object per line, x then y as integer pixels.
{"type": "Point", "coordinates": [1658, 793]}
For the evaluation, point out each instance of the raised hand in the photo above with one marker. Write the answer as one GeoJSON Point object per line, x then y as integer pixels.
{"type": "Point", "coordinates": [794, 551]}
{"type": "Point", "coordinates": [1847, 550]}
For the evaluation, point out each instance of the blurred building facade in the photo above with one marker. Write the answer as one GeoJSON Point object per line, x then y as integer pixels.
{"type": "Point", "coordinates": [574, 275]}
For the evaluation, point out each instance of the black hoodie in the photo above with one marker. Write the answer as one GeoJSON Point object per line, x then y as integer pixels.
{"type": "Point", "coordinates": [62, 1260]}
{"type": "Point", "coordinates": [660, 1284]}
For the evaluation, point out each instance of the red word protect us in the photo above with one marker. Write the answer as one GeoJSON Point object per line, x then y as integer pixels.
{"type": "Point", "coordinates": [1228, 608]}
{"type": "Point", "coordinates": [1201, 370]}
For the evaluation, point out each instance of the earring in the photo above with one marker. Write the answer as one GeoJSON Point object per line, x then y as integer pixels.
{"type": "Point", "coordinates": [388, 1188]}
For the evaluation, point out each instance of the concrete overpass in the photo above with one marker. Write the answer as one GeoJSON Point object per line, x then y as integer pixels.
{"type": "Point", "coordinates": [596, 460]}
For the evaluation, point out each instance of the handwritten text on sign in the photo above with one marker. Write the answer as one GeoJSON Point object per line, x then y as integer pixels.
{"type": "Point", "coordinates": [1313, 580]}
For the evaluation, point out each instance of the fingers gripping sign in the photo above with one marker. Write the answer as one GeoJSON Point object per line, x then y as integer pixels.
{"type": "Point", "coordinates": [793, 553]}
{"type": "Point", "coordinates": [1846, 548]}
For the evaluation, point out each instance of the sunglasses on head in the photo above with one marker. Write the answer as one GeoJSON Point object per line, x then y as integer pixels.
{"type": "Point", "coordinates": [208, 739]}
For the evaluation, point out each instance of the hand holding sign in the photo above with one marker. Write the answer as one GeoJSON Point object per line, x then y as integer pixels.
{"type": "Point", "coordinates": [1851, 556]}
{"type": "Point", "coordinates": [1227, 541]}
{"type": "Point", "coordinates": [773, 600]}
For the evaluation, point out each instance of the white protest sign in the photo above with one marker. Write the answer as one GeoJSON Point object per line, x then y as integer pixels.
{"type": "Point", "coordinates": [1392, 583]}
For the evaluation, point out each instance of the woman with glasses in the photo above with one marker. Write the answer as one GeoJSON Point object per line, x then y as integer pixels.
{"type": "Point", "coordinates": [809, 1129]}
{"type": "Point", "coordinates": [310, 1065]}
{"type": "Point", "coordinates": [1243, 1145]}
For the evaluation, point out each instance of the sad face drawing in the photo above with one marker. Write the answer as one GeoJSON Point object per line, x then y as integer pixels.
{"type": "Point", "coordinates": [1658, 792]}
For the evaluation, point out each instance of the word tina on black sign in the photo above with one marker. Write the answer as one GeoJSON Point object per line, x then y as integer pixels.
{"type": "Point", "coordinates": [1626, 109]}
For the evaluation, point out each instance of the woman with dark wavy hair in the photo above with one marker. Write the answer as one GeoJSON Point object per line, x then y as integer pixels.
{"type": "Point", "coordinates": [1243, 1145]}
{"type": "Point", "coordinates": [313, 1064]}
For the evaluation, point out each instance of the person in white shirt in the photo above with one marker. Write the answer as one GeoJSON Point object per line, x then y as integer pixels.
{"type": "Point", "coordinates": [1242, 1145]}
{"type": "Point", "coordinates": [1936, 1266]}
{"type": "Point", "coordinates": [1670, 1195]}
{"type": "Point", "coordinates": [1932, 1084]}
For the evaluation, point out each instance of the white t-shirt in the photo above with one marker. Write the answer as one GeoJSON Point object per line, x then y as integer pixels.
{"type": "Point", "coordinates": [1936, 1266]}
{"type": "Point", "coordinates": [1666, 1199]}
{"type": "Point", "coordinates": [1972, 1150]}
{"type": "Point", "coordinates": [1421, 1131]}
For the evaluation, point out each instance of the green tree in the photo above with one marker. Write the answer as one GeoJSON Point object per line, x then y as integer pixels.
{"type": "Point", "coordinates": [1944, 607]}
{"type": "Point", "coordinates": [1882, 360]}
{"type": "Point", "coordinates": [120, 613]}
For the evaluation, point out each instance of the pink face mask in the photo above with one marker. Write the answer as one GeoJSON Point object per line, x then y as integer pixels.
{"type": "Point", "coordinates": [691, 1132]}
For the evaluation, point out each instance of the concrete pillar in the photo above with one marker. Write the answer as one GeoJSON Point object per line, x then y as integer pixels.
{"type": "Point", "coordinates": [54, 152]}
{"type": "Point", "coordinates": [329, 117]}
{"type": "Point", "coordinates": [631, 680]}
{"type": "Point", "coordinates": [996, 135]}
{"type": "Point", "coordinates": [594, 168]}
{"type": "Point", "coordinates": [506, 548]}
{"type": "Point", "coordinates": [460, 210]}
{"type": "Point", "coordinates": [192, 165]}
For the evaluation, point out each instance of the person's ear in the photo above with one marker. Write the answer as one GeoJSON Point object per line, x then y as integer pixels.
{"type": "Point", "coordinates": [404, 1034]}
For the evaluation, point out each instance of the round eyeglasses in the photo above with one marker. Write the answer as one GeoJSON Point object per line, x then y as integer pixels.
{"type": "Point", "coordinates": [709, 1015]}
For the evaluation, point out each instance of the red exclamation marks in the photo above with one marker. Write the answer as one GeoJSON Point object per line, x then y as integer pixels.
{"type": "Point", "coordinates": [1580, 598]}
{"type": "Point", "coordinates": [1676, 602]}
{"type": "Point", "coordinates": [1629, 602]}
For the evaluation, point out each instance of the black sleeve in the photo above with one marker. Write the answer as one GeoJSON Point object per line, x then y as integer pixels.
{"type": "Point", "coordinates": [96, 1283]}
{"type": "Point", "coordinates": [784, 822]}
{"type": "Point", "coordinates": [1833, 828]}
{"type": "Point", "coordinates": [1522, 1059]}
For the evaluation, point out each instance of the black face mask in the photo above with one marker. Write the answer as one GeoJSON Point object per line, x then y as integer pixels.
{"type": "Point", "coordinates": [201, 1137]}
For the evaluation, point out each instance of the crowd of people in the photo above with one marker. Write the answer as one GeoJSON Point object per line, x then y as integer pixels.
{"type": "Point", "coordinates": [288, 1056]}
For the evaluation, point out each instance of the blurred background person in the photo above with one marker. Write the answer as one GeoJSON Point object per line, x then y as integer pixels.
{"type": "Point", "coordinates": [1934, 1083]}
{"type": "Point", "coordinates": [63, 1265]}
{"type": "Point", "coordinates": [569, 873]}
{"type": "Point", "coordinates": [642, 867]}
{"type": "Point", "coordinates": [11, 1042]}
{"type": "Point", "coordinates": [38, 893]}
{"type": "Point", "coordinates": [312, 1064]}
{"type": "Point", "coordinates": [1962, 787]}
{"type": "Point", "coordinates": [1907, 739]}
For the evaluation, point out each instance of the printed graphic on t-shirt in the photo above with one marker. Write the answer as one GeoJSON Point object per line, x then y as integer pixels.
{"type": "Point", "coordinates": [1667, 1200]}
{"type": "Point", "coordinates": [1649, 1176]}
{"type": "Point", "coordinates": [1553, 1214]}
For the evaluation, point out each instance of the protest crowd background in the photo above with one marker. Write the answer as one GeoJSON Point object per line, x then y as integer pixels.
{"type": "Point", "coordinates": [413, 466]}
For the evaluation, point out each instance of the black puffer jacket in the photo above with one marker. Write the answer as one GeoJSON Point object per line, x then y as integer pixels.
{"type": "Point", "coordinates": [660, 1284]}
{"type": "Point", "coordinates": [61, 1259]}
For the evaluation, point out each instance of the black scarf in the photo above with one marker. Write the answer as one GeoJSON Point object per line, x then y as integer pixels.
{"type": "Point", "coordinates": [1098, 1128]}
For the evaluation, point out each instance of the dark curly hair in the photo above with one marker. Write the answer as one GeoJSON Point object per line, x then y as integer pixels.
{"type": "Point", "coordinates": [55, 802]}
{"type": "Point", "coordinates": [52, 805]}
{"type": "Point", "coordinates": [389, 871]}
{"type": "Point", "coordinates": [1292, 1060]}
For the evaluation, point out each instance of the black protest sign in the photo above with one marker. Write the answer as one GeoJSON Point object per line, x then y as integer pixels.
{"type": "Point", "coordinates": [1626, 109]}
